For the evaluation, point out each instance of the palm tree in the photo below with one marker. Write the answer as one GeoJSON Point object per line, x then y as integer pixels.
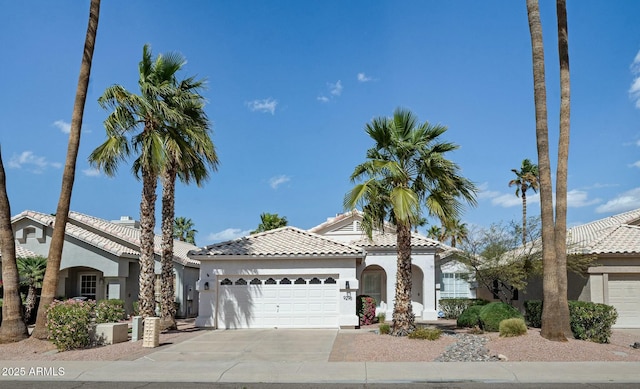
{"type": "Point", "coordinates": [270, 221]}
{"type": "Point", "coordinates": [156, 110]}
{"type": "Point", "coordinates": [50, 283]}
{"type": "Point", "coordinates": [435, 232]}
{"type": "Point", "coordinates": [183, 230]}
{"type": "Point", "coordinates": [31, 270]}
{"type": "Point", "coordinates": [526, 178]}
{"type": "Point", "coordinates": [405, 170]}
{"type": "Point", "coordinates": [190, 152]}
{"type": "Point", "coordinates": [552, 322]}
{"type": "Point", "coordinates": [455, 231]}
{"type": "Point", "coordinates": [13, 327]}
{"type": "Point", "coordinates": [562, 170]}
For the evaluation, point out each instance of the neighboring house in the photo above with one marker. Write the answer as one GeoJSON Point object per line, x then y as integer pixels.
{"type": "Point", "coordinates": [452, 276]}
{"type": "Point", "coordinates": [615, 277]}
{"type": "Point", "coordinates": [294, 278]}
{"type": "Point", "coordinates": [100, 258]}
{"type": "Point", "coordinates": [21, 252]}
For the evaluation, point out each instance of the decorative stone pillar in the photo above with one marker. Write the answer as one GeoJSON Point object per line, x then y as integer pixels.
{"type": "Point", "coordinates": [151, 332]}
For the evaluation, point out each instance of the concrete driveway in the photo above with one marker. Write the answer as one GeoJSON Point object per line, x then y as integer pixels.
{"type": "Point", "coordinates": [260, 345]}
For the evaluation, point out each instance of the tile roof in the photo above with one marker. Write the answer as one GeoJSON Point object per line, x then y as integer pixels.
{"type": "Point", "coordinates": [111, 237]}
{"type": "Point", "coordinates": [22, 252]}
{"type": "Point", "coordinates": [389, 240]}
{"type": "Point", "coordinates": [617, 234]}
{"type": "Point", "coordinates": [281, 242]}
{"type": "Point", "coordinates": [337, 219]}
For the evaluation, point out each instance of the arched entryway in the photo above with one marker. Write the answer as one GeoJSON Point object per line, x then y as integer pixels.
{"type": "Point", "coordinates": [374, 283]}
{"type": "Point", "coordinates": [81, 281]}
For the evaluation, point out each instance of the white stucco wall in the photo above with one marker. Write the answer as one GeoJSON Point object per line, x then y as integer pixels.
{"type": "Point", "coordinates": [423, 296]}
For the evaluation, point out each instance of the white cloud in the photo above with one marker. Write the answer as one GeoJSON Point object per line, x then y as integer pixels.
{"type": "Point", "coordinates": [363, 77]}
{"type": "Point", "coordinates": [91, 172]}
{"type": "Point", "coordinates": [634, 90]}
{"type": "Point", "coordinates": [31, 162]}
{"type": "Point", "coordinates": [62, 126]}
{"type": "Point", "coordinates": [265, 105]}
{"type": "Point", "coordinates": [507, 200]}
{"type": "Point", "coordinates": [228, 234]}
{"type": "Point", "coordinates": [579, 198]}
{"type": "Point", "coordinates": [635, 164]}
{"type": "Point", "coordinates": [623, 202]}
{"type": "Point", "coordinates": [323, 99]}
{"type": "Point", "coordinates": [485, 193]}
{"type": "Point", "coordinates": [335, 89]}
{"type": "Point", "coordinates": [276, 181]}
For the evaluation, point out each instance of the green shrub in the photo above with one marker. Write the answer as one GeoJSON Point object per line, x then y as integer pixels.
{"type": "Point", "coordinates": [382, 317]}
{"type": "Point", "coordinates": [589, 321]}
{"type": "Point", "coordinates": [592, 321]}
{"type": "Point", "coordinates": [470, 317]}
{"type": "Point", "coordinates": [533, 313]}
{"type": "Point", "coordinates": [69, 323]}
{"type": "Point", "coordinates": [493, 313]}
{"type": "Point", "coordinates": [428, 333]}
{"type": "Point", "coordinates": [384, 329]}
{"type": "Point", "coordinates": [453, 308]}
{"type": "Point", "coordinates": [512, 327]}
{"type": "Point", "coordinates": [366, 309]}
{"type": "Point", "coordinates": [109, 311]}
{"type": "Point", "coordinates": [135, 311]}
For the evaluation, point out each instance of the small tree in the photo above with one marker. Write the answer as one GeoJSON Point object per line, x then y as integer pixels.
{"type": "Point", "coordinates": [31, 270]}
{"type": "Point", "coordinates": [501, 264]}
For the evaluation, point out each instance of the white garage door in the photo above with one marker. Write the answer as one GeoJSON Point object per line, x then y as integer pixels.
{"type": "Point", "coordinates": [278, 301]}
{"type": "Point", "coordinates": [624, 295]}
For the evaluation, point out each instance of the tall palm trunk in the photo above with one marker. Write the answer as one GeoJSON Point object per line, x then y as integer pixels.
{"type": "Point", "coordinates": [403, 317]}
{"type": "Point", "coordinates": [13, 328]}
{"type": "Point", "coordinates": [146, 296]}
{"type": "Point", "coordinates": [524, 214]}
{"type": "Point", "coordinates": [552, 328]}
{"type": "Point", "coordinates": [29, 303]}
{"type": "Point", "coordinates": [168, 313]}
{"type": "Point", "coordinates": [50, 283]}
{"type": "Point", "coordinates": [563, 158]}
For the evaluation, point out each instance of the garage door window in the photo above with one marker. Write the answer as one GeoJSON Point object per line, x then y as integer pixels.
{"type": "Point", "coordinates": [241, 281]}
{"type": "Point", "coordinates": [330, 280]}
{"type": "Point", "coordinates": [256, 281]}
{"type": "Point", "coordinates": [285, 281]}
{"type": "Point", "coordinates": [300, 281]}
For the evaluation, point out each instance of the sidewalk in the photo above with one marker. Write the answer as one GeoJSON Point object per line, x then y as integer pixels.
{"type": "Point", "coordinates": [145, 370]}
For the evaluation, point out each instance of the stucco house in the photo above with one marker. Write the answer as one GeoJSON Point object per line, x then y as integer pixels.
{"type": "Point", "coordinates": [292, 278]}
{"type": "Point", "coordinates": [100, 258]}
{"type": "Point", "coordinates": [614, 278]}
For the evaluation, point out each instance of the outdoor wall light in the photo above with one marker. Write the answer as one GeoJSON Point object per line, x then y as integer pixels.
{"type": "Point", "coordinates": [347, 285]}
{"type": "Point", "coordinates": [206, 286]}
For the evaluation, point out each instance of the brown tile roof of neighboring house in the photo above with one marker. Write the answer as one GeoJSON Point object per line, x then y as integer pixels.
{"type": "Point", "coordinates": [111, 237]}
{"type": "Point", "coordinates": [281, 242]}
{"type": "Point", "coordinates": [389, 240]}
{"type": "Point", "coordinates": [22, 252]}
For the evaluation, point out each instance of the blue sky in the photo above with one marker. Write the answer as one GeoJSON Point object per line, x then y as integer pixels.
{"type": "Point", "coordinates": [291, 85]}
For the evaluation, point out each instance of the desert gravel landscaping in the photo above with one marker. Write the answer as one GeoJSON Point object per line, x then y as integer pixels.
{"type": "Point", "coordinates": [366, 345]}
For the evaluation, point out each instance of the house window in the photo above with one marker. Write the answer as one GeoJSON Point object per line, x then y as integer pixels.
{"type": "Point", "coordinates": [372, 284]}
{"type": "Point", "coordinates": [88, 285]}
{"type": "Point", "coordinates": [454, 285]}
